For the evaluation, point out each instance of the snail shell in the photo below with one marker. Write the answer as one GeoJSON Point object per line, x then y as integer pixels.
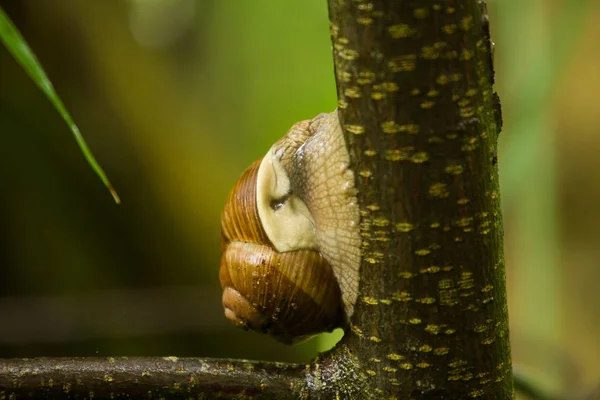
{"type": "Point", "coordinates": [290, 238]}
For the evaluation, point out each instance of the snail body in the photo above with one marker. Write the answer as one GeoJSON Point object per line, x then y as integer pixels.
{"type": "Point", "coordinates": [290, 238]}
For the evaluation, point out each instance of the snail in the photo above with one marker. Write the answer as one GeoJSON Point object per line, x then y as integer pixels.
{"type": "Point", "coordinates": [289, 236]}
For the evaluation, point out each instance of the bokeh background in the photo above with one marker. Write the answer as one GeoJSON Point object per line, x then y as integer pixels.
{"type": "Point", "coordinates": [177, 97]}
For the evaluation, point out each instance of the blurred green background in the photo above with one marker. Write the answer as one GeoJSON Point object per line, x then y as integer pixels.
{"type": "Point", "coordinates": [177, 97]}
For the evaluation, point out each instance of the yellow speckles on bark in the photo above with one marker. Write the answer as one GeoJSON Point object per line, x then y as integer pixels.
{"type": "Point", "coordinates": [403, 63]}
{"type": "Point", "coordinates": [411, 129]}
{"type": "Point", "coordinates": [433, 329]}
{"type": "Point", "coordinates": [398, 154]}
{"type": "Point", "coordinates": [423, 365]}
{"type": "Point", "coordinates": [342, 104]}
{"type": "Point", "coordinates": [345, 76]}
{"type": "Point", "coordinates": [487, 300]}
{"type": "Point", "coordinates": [395, 357]}
{"type": "Point", "coordinates": [425, 348]}
{"type": "Point", "coordinates": [463, 222]}
{"type": "Point", "coordinates": [382, 236]}
{"type": "Point", "coordinates": [365, 78]}
{"type": "Point", "coordinates": [466, 112]}
{"type": "Point", "coordinates": [454, 169]}
{"type": "Point", "coordinates": [386, 302]}
{"type": "Point", "coordinates": [375, 339]}
{"type": "Point", "coordinates": [406, 366]}
{"type": "Point", "coordinates": [421, 13]}
{"type": "Point", "coordinates": [364, 6]}
{"type": "Point", "coordinates": [394, 382]}
{"type": "Point", "coordinates": [401, 31]}
{"type": "Point", "coordinates": [476, 393]}
{"type": "Point", "coordinates": [466, 281]}
{"type": "Point", "coordinates": [352, 92]}
{"type": "Point", "coordinates": [370, 300]}
{"type": "Point", "coordinates": [390, 127]}
{"type": "Point", "coordinates": [480, 328]}
{"type": "Point", "coordinates": [450, 10]}
{"type": "Point", "coordinates": [334, 30]}
{"type": "Point", "coordinates": [471, 92]}
{"type": "Point", "coordinates": [467, 54]}
{"type": "Point", "coordinates": [415, 321]}
{"type": "Point", "coordinates": [426, 300]}
{"type": "Point", "coordinates": [371, 372]}
{"type": "Point", "coordinates": [441, 351]}
{"type": "Point", "coordinates": [430, 270]}
{"type": "Point", "coordinates": [375, 360]}
{"type": "Point", "coordinates": [364, 20]}
{"type": "Point", "coordinates": [370, 259]}
{"type": "Point", "coordinates": [449, 331]}
{"type": "Point", "coordinates": [420, 157]}
{"type": "Point", "coordinates": [373, 207]}
{"type": "Point", "coordinates": [343, 40]}
{"type": "Point", "coordinates": [415, 91]}
{"type": "Point", "coordinates": [356, 330]}
{"type": "Point", "coordinates": [430, 53]}
{"type": "Point", "coordinates": [404, 227]}
{"type": "Point", "coordinates": [370, 153]}
{"type": "Point", "coordinates": [434, 225]}
{"type": "Point", "coordinates": [434, 51]}
{"type": "Point", "coordinates": [457, 364]}
{"type": "Point", "coordinates": [447, 293]}
{"type": "Point", "coordinates": [386, 86]}
{"type": "Point", "coordinates": [449, 29]}
{"type": "Point", "coordinates": [422, 252]}
{"type": "Point", "coordinates": [108, 378]}
{"type": "Point", "coordinates": [442, 80]}
{"type": "Point", "coordinates": [466, 23]}
{"type": "Point", "coordinates": [433, 93]}
{"type": "Point", "coordinates": [439, 190]}
{"type": "Point", "coordinates": [355, 129]}
{"type": "Point", "coordinates": [463, 102]}
{"type": "Point", "coordinates": [487, 288]}
{"type": "Point", "coordinates": [365, 173]}
{"type": "Point", "coordinates": [407, 275]}
{"type": "Point", "coordinates": [462, 201]}
{"type": "Point", "coordinates": [487, 341]}
{"type": "Point", "coordinates": [402, 296]}
{"type": "Point", "coordinates": [390, 369]}
{"type": "Point", "coordinates": [348, 54]}
{"type": "Point", "coordinates": [171, 358]}
{"type": "Point", "coordinates": [381, 222]}
{"type": "Point", "coordinates": [378, 95]}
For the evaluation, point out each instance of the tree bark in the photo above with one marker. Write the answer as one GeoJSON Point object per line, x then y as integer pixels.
{"type": "Point", "coordinates": [421, 120]}
{"type": "Point", "coordinates": [415, 94]}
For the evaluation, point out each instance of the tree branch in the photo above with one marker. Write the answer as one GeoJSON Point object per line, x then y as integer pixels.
{"type": "Point", "coordinates": [149, 377]}
{"type": "Point", "coordinates": [414, 82]}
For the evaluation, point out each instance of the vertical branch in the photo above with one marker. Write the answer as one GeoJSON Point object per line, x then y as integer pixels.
{"type": "Point", "coordinates": [415, 94]}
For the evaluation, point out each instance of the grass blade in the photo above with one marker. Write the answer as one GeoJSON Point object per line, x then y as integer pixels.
{"type": "Point", "coordinates": [16, 45]}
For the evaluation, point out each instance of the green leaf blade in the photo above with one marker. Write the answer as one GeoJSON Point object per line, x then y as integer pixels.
{"type": "Point", "coordinates": [16, 45]}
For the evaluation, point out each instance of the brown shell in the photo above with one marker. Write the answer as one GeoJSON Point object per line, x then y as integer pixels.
{"type": "Point", "coordinates": [288, 295]}
{"type": "Point", "coordinates": [240, 221]}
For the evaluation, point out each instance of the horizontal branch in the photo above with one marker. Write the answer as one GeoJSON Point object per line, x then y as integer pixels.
{"type": "Point", "coordinates": [150, 377]}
